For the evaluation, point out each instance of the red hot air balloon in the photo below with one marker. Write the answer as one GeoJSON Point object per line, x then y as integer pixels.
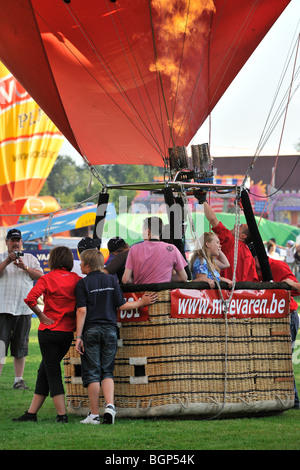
{"type": "Point", "coordinates": [125, 80]}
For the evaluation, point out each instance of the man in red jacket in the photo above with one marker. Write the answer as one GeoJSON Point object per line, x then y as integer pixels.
{"type": "Point", "coordinates": [281, 272]}
{"type": "Point", "coordinates": [245, 270]}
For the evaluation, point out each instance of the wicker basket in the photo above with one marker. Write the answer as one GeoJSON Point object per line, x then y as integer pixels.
{"type": "Point", "coordinates": [195, 367]}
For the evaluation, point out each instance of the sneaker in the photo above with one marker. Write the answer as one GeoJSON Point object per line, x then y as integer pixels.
{"type": "Point", "coordinates": [27, 417]}
{"type": "Point", "coordinates": [20, 385]}
{"type": "Point", "coordinates": [109, 415]}
{"type": "Point", "coordinates": [90, 420]}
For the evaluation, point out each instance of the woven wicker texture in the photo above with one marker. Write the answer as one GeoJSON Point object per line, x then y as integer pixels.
{"type": "Point", "coordinates": [169, 361]}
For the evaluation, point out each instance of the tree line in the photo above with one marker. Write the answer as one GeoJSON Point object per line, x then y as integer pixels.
{"type": "Point", "coordinates": [70, 183]}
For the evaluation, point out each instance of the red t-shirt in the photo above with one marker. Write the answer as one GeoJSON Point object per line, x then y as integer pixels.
{"type": "Point", "coordinates": [58, 290]}
{"type": "Point", "coordinates": [281, 271]}
{"type": "Point", "coordinates": [245, 269]}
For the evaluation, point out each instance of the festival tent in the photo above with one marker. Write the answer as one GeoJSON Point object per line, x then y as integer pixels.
{"type": "Point", "coordinates": [62, 222]}
{"type": "Point", "coordinates": [129, 227]}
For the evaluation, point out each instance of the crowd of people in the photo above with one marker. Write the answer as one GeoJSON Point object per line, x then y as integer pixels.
{"type": "Point", "coordinates": [85, 295]}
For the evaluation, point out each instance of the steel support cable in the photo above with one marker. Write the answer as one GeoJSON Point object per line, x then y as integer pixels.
{"type": "Point", "coordinates": [235, 42]}
{"type": "Point", "coordinates": [65, 209]}
{"type": "Point", "coordinates": [278, 115]}
{"type": "Point", "coordinates": [283, 73]}
{"type": "Point", "coordinates": [204, 58]}
{"type": "Point", "coordinates": [278, 189]}
{"type": "Point", "coordinates": [132, 73]}
{"type": "Point", "coordinates": [266, 138]}
{"type": "Point", "coordinates": [180, 65]}
{"type": "Point", "coordinates": [145, 131]}
{"type": "Point", "coordinates": [158, 74]}
{"type": "Point", "coordinates": [105, 91]}
{"type": "Point", "coordinates": [283, 127]}
{"type": "Point", "coordinates": [199, 246]}
{"type": "Point", "coordinates": [75, 206]}
{"type": "Point", "coordinates": [159, 122]}
{"type": "Point", "coordinates": [289, 94]}
{"type": "Point", "coordinates": [225, 302]}
{"type": "Point", "coordinates": [111, 74]}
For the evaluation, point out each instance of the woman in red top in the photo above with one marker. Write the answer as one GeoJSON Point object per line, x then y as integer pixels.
{"type": "Point", "coordinates": [55, 332]}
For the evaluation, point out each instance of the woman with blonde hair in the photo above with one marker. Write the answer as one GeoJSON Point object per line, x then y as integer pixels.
{"type": "Point", "coordinates": [206, 263]}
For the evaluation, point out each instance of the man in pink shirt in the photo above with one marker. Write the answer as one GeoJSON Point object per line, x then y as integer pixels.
{"type": "Point", "coordinates": [154, 261]}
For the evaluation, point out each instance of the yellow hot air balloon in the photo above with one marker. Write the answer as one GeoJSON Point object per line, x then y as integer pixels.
{"type": "Point", "coordinates": [29, 145]}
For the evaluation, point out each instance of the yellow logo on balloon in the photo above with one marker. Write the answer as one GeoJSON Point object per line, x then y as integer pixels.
{"type": "Point", "coordinates": [85, 220]}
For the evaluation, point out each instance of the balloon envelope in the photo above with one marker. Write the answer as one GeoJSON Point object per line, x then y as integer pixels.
{"type": "Point", "coordinates": [126, 80]}
{"type": "Point", "coordinates": [29, 145]}
{"type": "Point", "coordinates": [40, 205]}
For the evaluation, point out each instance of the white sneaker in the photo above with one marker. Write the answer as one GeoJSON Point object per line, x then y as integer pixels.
{"type": "Point", "coordinates": [109, 415]}
{"type": "Point", "coordinates": [90, 420]}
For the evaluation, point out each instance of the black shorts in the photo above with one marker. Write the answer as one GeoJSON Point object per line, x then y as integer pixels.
{"type": "Point", "coordinates": [14, 332]}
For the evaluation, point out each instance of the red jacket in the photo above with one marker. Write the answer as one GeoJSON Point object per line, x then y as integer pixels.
{"type": "Point", "coordinates": [281, 271]}
{"type": "Point", "coordinates": [245, 270]}
{"type": "Point", "coordinates": [58, 290]}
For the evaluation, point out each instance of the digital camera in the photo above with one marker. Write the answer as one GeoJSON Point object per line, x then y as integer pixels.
{"type": "Point", "coordinates": [18, 254]}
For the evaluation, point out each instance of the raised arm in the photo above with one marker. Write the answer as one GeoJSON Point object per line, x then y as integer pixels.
{"type": "Point", "coordinates": [210, 215]}
{"type": "Point", "coordinates": [34, 273]}
{"type": "Point", "coordinates": [222, 261]}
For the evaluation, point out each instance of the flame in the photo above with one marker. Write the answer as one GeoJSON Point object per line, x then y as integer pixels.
{"type": "Point", "coordinates": [179, 20]}
{"type": "Point", "coordinates": [168, 67]}
{"type": "Point", "coordinates": [181, 17]}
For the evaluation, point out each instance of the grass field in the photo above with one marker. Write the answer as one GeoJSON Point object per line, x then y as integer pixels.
{"type": "Point", "coordinates": [280, 432]}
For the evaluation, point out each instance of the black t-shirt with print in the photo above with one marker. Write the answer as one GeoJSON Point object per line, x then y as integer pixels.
{"type": "Point", "coordinates": [101, 294]}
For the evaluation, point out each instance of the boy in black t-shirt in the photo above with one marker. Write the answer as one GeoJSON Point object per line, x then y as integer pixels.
{"type": "Point", "coordinates": [98, 296]}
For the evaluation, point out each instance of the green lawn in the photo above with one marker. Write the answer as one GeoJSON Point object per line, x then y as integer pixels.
{"type": "Point", "coordinates": [280, 432]}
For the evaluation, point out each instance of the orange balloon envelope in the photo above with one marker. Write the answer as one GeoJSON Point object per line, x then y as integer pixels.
{"type": "Point", "coordinates": [29, 145]}
{"type": "Point", "coordinates": [125, 80]}
{"type": "Point", "coordinates": [40, 205]}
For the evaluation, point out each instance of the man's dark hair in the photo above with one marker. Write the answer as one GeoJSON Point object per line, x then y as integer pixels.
{"type": "Point", "coordinates": [247, 232]}
{"type": "Point", "coordinates": [155, 225]}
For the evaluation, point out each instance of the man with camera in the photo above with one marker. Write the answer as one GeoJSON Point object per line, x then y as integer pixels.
{"type": "Point", "coordinates": [18, 270]}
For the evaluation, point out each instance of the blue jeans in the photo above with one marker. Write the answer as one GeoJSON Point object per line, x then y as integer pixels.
{"type": "Point", "coordinates": [100, 347]}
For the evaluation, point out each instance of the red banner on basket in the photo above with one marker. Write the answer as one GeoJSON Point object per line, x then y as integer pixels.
{"type": "Point", "coordinates": [135, 314]}
{"type": "Point", "coordinates": [192, 303]}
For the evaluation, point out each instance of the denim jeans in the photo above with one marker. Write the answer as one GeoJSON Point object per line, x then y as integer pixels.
{"type": "Point", "coordinates": [100, 347]}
